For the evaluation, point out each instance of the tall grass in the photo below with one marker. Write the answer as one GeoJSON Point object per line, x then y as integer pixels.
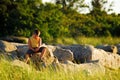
{"type": "Point", "coordinates": [88, 40]}
{"type": "Point", "coordinates": [10, 72]}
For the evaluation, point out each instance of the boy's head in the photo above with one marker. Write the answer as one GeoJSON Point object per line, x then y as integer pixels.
{"type": "Point", "coordinates": [36, 32]}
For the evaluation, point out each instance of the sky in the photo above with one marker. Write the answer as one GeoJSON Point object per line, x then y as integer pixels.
{"type": "Point", "coordinates": [115, 7]}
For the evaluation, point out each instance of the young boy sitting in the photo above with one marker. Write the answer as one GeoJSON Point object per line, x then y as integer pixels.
{"type": "Point", "coordinates": [34, 44]}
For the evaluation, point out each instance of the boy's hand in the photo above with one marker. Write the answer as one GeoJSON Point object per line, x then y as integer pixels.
{"type": "Point", "coordinates": [37, 49]}
{"type": "Point", "coordinates": [33, 49]}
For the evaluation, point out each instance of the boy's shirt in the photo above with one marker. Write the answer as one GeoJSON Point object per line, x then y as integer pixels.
{"type": "Point", "coordinates": [34, 42]}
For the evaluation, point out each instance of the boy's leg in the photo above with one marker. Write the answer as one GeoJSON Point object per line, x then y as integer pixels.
{"type": "Point", "coordinates": [43, 51]}
{"type": "Point", "coordinates": [27, 58]}
{"type": "Point", "coordinates": [28, 55]}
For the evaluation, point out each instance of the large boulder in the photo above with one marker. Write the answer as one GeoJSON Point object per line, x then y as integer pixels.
{"type": "Point", "coordinates": [21, 49]}
{"type": "Point", "coordinates": [88, 53]}
{"type": "Point", "coordinates": [118, 47]}
{"type": "Point", "coordinates": [93, 68]}
{"type": "Point", "coordinates": [108, 48]}
{"type": "Point", "coordinates": [81, 53]}
{"type": "Point", "coordinates": [15, 39]}
{"type": "Point", "coordinates": [21, 64]}
{"type": "Point", "coordinates": [7, 47]}
{"type": "Point", "coordinates": [51, 48]}
{"type": "Point", "coordinates": [87, 68]}
{"type": "Point", "coordinates": [107, 59]}
{"type": "Point", "coordinates": [63, 54]}
{"type": "Point", "coordinates": [45, 61]}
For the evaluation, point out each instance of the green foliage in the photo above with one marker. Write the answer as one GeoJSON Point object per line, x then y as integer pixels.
{"type": "Point", "coordinates": [21, 17]}
{"type": "Point", "coordinates": [70, 4]}
{"type": "Point", "coordinates": [87, 40]}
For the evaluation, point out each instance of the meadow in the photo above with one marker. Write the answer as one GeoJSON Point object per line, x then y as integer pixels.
{"type": "Point", "coordinates": [88, 40]}
{"type": "Point", "coordinates": [10, 72]}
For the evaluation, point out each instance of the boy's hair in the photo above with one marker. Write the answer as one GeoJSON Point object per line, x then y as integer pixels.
{"type": "Point", "coordinates": [36, 31]}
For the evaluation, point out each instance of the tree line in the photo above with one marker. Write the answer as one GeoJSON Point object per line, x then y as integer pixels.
{"type": "Point", "coordinates": [21, 17]}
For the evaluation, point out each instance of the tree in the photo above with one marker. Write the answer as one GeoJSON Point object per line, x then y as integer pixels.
{"type": "Point", "coordinates": [6, 6]}
{"type": "Point", "coordinates": [71, 4]}
{"type": "Point", "coordinates": [99, 7]}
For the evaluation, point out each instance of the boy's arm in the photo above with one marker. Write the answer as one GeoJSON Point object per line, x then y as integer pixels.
{"type": "Point", "coordinates": [40, 42]}
{"type": "Point", "coordinates": [29, 45]}
{"type": "Point", "coordinates": [39, 45]}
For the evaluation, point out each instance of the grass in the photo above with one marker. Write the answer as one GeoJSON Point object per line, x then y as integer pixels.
{"type": "Point", "coordinates": [88, 40]}
{"type": "Point", "coordinates": [10, 72]}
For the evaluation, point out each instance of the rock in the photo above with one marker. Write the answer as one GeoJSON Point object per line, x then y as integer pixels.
{"type": "Point", "coordinates": [15, 39]}
{"type": "Point", "coordinates": [92, 68]}
{"type": "Point", "coordinates": [46, 60]}
{"type": "Point", "coordinates": [21, 49]}
{"type": "Point", "coordinates": [88, 53]}
{"type": "Point", "coordinates": [63, 54]}
{"type": "Point", "coordinates": [50, 48]}
{"type": "Point", "coordinates": [81, 53]}
{"type": "Point", "coordinates": [108, 48]}
{"type": "Point", "coordinates": [21, 64]}
{"type": "Point", "coordinates": [87, 68]}
{"type": "Point", "coordinates": [118, 47]}
{"type": "Point", "coordinates": [48, 57]}
{"type": "Point", "coordinates": [7, 47]}
{"type": "Point", "coordinates": [106, 58]}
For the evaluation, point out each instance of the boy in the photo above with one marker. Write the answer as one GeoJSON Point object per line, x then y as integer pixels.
{"type": "Point", "coordinates": [34, 44]}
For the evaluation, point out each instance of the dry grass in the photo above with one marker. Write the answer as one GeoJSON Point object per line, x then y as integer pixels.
{"type": "Point", "coordinates": [10, 72]}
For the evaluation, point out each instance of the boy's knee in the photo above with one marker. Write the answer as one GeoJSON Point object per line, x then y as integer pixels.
{"type": "Point", "coordinates": [44, 48]}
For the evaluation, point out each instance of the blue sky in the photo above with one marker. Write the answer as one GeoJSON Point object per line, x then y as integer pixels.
{"type": "Point", "coordinates": [115, 7]}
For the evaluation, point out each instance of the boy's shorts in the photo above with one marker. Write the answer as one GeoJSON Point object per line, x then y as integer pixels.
{"type": "Point", "coordinates": [31, 52]}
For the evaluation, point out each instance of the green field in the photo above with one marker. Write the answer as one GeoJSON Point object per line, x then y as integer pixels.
{"type": "Point", "coordinates": [88, 40]}
{"type": "Point", "coordinates": [10, 72]}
